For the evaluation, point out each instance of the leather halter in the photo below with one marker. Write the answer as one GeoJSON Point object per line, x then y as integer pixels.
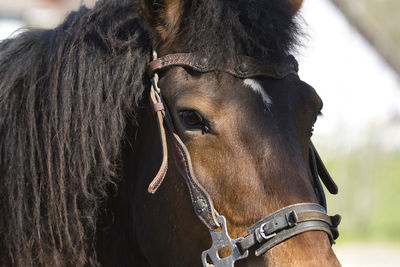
{"type": "Point", "coordinates": [275, 228]}
{"type": "Point", "coordinates": [240, 67]}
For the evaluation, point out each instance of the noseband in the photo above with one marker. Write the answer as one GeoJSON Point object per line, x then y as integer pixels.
{"type": "Point", "coordinates": [278, 226]}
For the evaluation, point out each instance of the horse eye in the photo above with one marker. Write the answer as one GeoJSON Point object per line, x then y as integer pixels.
{"type": "Point", "coordinates": [191, 118]}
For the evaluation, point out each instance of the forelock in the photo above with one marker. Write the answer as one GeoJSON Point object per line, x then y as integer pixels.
{"type": "Point", "coordinates": [264, 29]}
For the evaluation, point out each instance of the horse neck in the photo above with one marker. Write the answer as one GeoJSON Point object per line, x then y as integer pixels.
{"type": "Point", "coordinates": [117, 223]}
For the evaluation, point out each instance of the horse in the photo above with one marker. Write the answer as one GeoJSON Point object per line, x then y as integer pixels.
{"type": "Point", "coordinates": [162, 133]}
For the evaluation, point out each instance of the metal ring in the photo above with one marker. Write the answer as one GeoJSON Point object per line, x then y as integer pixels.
{"type": "Point", "coordinates": [262, 232]}
{"type": "Point", "coordinates": [154, 82]}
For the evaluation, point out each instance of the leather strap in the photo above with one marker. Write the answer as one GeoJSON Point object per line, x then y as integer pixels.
{"type": "Point", "coordinates": [286, 223]}
{"type": "Point", "coordinates": [202, 203]}
{"type": "Point", "coordinates": [240, 67]}
{"type": "Point", "coordinates": [323, 173]}
{"type": "Point", "coordinates": [316, 181]}
{"type": "Point", "coordinates": [159, 109]}
{"type": "Point", "coordinates": [291, 232]}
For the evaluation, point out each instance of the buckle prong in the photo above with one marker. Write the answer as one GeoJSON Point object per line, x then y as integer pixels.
{"type": "Point", "coordinates": [262, 232]}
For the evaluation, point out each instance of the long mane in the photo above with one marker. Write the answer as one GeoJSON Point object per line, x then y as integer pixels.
{"type": "Point", "coordinates": [66, 97]}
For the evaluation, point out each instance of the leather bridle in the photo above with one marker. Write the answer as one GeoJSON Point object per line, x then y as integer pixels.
{"type": "Point", "coordinates": [278, 226]}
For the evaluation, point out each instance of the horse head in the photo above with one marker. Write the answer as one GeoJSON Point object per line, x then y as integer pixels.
{"type": "Point", "coordinates": [234, 102]}
{"type": "Point", "coordinates": [204, 158]}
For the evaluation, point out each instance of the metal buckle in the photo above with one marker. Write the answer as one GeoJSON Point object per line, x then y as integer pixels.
{"type": "Point", "coordinates": [222, 240]}
{"type": "Point", "coordinates": [262, 232]}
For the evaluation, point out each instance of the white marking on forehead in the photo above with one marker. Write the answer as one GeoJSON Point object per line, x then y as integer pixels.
{"type": "Point", "coordinates": [256, 86]}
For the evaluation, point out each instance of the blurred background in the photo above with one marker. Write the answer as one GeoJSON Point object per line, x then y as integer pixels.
{"type": "Point", "coordinates": [351, 55]}
{"type": "Point", "coordinates": [352, 58]}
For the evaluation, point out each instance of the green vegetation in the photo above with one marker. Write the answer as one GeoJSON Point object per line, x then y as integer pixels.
{"type": "Point", "coordinates": [369, 195]}
{"type": "Point", "coordinates": [369, 179]}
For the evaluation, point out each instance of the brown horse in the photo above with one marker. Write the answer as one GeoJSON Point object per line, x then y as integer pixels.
{"type": "Point", "coordinates": [221, 109]}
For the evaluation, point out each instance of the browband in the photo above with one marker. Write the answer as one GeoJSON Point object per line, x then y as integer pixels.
{"type": "Point", "coordinates": [240, 67]}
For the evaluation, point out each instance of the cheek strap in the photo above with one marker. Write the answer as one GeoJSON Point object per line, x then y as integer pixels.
{"type": "Point", "coordinates": [202, 203]}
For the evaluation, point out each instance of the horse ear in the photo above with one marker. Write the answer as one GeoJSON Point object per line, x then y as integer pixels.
{"type": "Point", "coordinates": [162, 17]}
{"type": "Point", "coordinates": [296, 5]}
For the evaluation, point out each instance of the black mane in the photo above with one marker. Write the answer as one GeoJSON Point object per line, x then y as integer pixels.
{"type": "Point", "coordinates": [66, 97]}
{"type": "Point", "coordinates": [263, 29]}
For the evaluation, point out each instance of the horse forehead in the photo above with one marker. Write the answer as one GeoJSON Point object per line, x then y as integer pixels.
{"type": "Point", "coordinates": [216, 87]}
{"type": "Point", "coordinates": [258, 89]}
